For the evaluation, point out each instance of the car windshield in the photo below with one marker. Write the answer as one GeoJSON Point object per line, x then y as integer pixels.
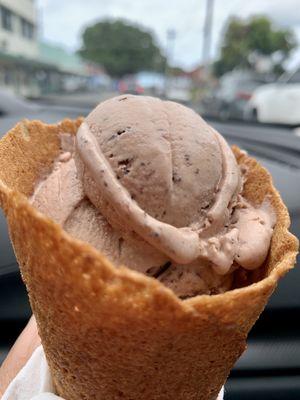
{"type": "Point", "coordinates": [235, 63]}
{"type": "Point", "coordinates": [224, 60]}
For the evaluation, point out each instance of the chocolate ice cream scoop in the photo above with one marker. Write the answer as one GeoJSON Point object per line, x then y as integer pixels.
{"type": "Point", "coordinates": [155, 188]}
{"type": "Point", "coordinates": [162, 153]}
{"type": "Point", "coordinates": [158, 169]}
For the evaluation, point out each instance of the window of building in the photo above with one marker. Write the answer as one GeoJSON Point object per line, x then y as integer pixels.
{"type": "Point", "coordinates": [6, 18]}
{"type": "Point", "coordinates": [27, 29]}
{"type": "Point", "coordinates": [8, 76]}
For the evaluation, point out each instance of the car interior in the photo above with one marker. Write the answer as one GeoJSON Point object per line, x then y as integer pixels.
{"type": "Point", "coordinates": [244, 81]}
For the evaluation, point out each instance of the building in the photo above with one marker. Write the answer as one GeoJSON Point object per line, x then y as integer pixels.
{"type": "Point", "coordinates": [29, 67]}
{"type": "Point", "coordinates": [18, 28]}
{"type": "Point", "coordinates": [19, 46]}
{"type": "Point", "coordinates": [198, 75]}
{"type": "Point", "coordinates": [65, 71]}
{"type": "Point", "coordinates": [66, 61]}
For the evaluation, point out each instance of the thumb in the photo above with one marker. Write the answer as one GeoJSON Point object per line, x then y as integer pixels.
{"type": "Point", "coordinates": [19, 354]}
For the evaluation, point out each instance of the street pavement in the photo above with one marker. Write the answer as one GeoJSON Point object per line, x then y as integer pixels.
{"type": "Point", "coordinates": [77, 100]}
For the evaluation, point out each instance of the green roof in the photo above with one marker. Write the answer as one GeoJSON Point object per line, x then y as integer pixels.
{"type": "Point", "coordinates": [64, 60]}
{"type": "Point", "coordinates": [24, 61]}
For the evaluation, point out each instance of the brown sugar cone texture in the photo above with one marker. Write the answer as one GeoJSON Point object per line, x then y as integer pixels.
{"type": "Point", "coordinates": [113, 333]}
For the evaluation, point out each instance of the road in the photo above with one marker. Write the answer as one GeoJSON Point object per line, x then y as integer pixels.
{"type": "Point", "coordinates": [78, 100]}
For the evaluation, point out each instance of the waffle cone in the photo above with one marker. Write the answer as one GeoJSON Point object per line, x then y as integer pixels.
{"type": "Point", "coordinates": [113, 333]}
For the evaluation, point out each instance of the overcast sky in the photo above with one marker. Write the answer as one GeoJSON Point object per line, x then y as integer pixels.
{"type": "Point", "coordinates": [62, 21]}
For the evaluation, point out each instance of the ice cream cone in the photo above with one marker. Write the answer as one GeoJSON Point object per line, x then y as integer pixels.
{"type": "Point", "coordinates": [112, 333]}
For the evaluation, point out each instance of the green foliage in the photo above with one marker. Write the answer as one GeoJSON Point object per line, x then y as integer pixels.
{"type": "Point", "coordinates": [121, 48]}
{"type": "Point", "coordinates": [243, 37]}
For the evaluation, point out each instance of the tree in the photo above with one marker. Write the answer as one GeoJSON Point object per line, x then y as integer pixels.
{"type": "Point", "coordinates": [255, 35]}
{"type": "Point", "coordinates": [121, 48]}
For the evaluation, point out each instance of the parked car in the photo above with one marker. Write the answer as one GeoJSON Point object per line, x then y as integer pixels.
{"type": "Point", "coordinates": [130, 85]}
{"type": "Point", "coordinates": [178, 88]}
{"type": "Point", "coordinates": [277, 102]}
{"type": "Point", "coordinates": [153, 83]}
{"type": "Point", "coordinates": [230, 98]}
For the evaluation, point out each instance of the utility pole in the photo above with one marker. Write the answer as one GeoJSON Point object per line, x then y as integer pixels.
{"type": "Point", "coordinates": [171, 36]}
{"type": "Point", "coordinates": [208, 23]}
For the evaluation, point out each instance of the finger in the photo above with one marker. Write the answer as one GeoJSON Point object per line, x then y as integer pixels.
{"type": "Point", "coordinates": [19, 354]}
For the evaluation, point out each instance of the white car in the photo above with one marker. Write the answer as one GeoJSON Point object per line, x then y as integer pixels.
{"type": "Point", "coordinates": [277, 102]}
